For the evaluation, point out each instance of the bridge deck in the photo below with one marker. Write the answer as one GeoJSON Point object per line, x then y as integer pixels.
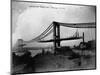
{"type": "Point", "coordinates": [62, 39]}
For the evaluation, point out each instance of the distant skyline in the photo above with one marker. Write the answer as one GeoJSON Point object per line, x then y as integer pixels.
{"type": "Point", "coordinates": [31, 19]}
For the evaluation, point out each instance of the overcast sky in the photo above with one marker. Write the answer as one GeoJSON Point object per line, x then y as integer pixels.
{"type": "Point", "coordinates": [31, 19]}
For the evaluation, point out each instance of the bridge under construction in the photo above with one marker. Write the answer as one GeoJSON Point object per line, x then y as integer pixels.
{"type": "Point", "coordinates": [54, 28]}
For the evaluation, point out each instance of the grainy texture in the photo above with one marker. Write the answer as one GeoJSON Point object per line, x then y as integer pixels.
{"type": "Point", "coordinates": [49, 37]}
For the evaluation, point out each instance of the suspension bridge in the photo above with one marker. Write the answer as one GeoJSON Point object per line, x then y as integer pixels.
{"type": "Point", "coordinates": [54, 28]}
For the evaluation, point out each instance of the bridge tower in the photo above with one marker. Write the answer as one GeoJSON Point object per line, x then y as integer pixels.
{"type": "Point", "coordinates": [56, 35]}
{"type": "Point", "coordinates": [83, 37]}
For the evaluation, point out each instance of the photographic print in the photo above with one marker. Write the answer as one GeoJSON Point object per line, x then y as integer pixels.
{"type": "Point", "coordinates": [52, 37]}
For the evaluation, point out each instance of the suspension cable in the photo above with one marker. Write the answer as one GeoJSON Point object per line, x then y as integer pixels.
{"type": "Point", "coordinates": [41, 35]}
{"type": "Point", "coordinates": [46, 34]}
{"type": "Point", "coordinates": [79, 25]}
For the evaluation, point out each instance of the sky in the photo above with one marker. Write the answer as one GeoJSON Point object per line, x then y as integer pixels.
{"type": "Point", "coordinates": [30, 19]}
